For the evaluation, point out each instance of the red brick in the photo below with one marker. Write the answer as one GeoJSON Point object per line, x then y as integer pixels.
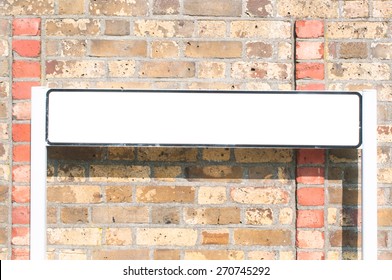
{"type": "Point", "coordinates": [20, 215]}
{"type": "Point", "coordinates": [21, 111]}
{"type": "Point", "coordinates": [309, 70]}
{"type": "Point", "coordinates": [26, 26]}
{"type": "Point", "coordinates": [20, 254]}
{"type": "Point", "coordinates": [22, 90]}
{"type": "Point", "coordinates": [20, 236]}
{"type": "Point", "coordinates": [310, 175]}
{"type": "Point", "coordinates": [27, 48]}
{"type": "Point", "coordinates": [310, 256]}
{"type": "Point", "coordinates": [310, 218]}
{"type": "Point", "coordinates": [21, 174]}
{"type": "Point", "coordinates": [311, 156]}
{"type": "Point", "coordinates": [309, 50]}
{"type": "Point", "coordinates": [309, 28]}
{"type": "Point", "coordinates": [21, 194]}
{"type": "Point", "coordinates": [21, 132]}
{"type": "Point", "coordinates": [310, 196]}
{"type": "Point", "coordinates": [26, 69]}
{"type": "Point", "coordinates": [311, 86]}
{"type": "Point", "coordinates": [21, 153]}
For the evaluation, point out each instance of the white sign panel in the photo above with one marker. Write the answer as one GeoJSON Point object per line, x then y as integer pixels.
{"type": "Point", "coordinates": [175, 118]}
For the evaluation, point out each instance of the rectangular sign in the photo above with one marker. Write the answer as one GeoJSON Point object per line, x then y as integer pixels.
{"type": "Point", "coordinates": [204, 118]}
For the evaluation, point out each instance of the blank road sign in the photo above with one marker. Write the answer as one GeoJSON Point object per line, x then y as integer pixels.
{"type": "Point", "coordinates": [203, 118]}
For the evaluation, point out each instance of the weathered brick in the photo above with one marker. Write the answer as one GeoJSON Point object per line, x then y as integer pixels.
{"type": "Point", "coordinates": [74, 194]}
{"type": "Point", "coordinates": [309, 29]}
{"type": "Point", "coordinates": [121, 153]}
{"type": "Point", "coordinates": [26, 69]}
{"type": "Point", "coordinates": [22, 90]}
{"type": "Point", "coordinates": [259, 216]}
{"type": "Point", "coordinates": [4, 89]}
{"type": "Point", "coordinates": [309, 70]}
{"type": "Point", "coordinates": [310, 239]}
{"type": "Point", "coordinates": [20, 173]}
{"type": "Point", "coordinates": [212, 195]}
{"type": "Point", "coordinates": [303, 9]}
{"type": "Point", "coordinates": [51, 215]}
{"type": "Point", "coordinates": [166, 7]}
{"type": "Point", "coordinates": [72, 27]}
{"type": "Point", "coordinates": [166, 237]}
{"type": "Point", "coordinates": [74, 236]}
{"type": "Point", "coordinates": [216, 154]}
{"type": "Point", "coordinates": [344, 155]}
{"type": "Point", "coordinates": [310, 86]}
{"type": "Point", "coordinates": [310, 175]}
{"type": "Point", "coordinates": [167, 173]}
{"type": "Point", "coordinates": [345, 238]}
{"type": "Point", "coordinates": [382, 50]}
{"type": "Point", "coordinates": [21, 111]}
{"type": "Point", "coordinates": [261, 70]}
{"type": "Point", "coordinates": [5, 172]}
{"type": "Point", "coordinates": [353, 50]}
{"type": "Point", "coordinates": [119, 214]}
{"type": "Point", "coordinates": [3, 237]}
{"type": "Point", "coordinates": [313, 156]}
{"type": "Point", "coordinates": [70, 48]}
{"type": "Point", "coordinates": [310, 218]}
{"type": "Point", "coordinates": [71, 173]}
{"type": "Point", "coordinates": [218, 172]}
{"type": "Point", "coordinates": [164, 49]}
{"type": "Point", "coordinates": [213, 49]}
{"type": "Point", "coordinates": [118, 236]}
{"type": "Point", "coordinates": [71, 7]}
{"type": "Point", "coordinates": [211, 28]}
{"type": "Point", "coordinates": [117, 27]}
{"type": "Point", "coordinates": [75, 69]}
{"type": "Point", "coordinates": [74, 215]}
{"type": "Point", "coordinates": [213, 216]}
{"type": "Point", "coordinates": [20, 215]}
{"type": "Point", "coordinates": [214, 255]}
{"type": "Point", "coordinates": [213, 85]}
{"type": "Point", "coordinates": [262, 237]}
{"type": "Point", "coordinates": [286, 216]}
{"type": "Point", "coordinates": [257, 8]}
{"type": "Point", "coordinates": [382, 9]}
{"type": "Point", "coordinates": [167, 154]}
{"type": "Point", "coordinates": [163, 215]}
{"type": "Point", "coordinates": [121, 68]}
{"type": "Point", "coordinates": [385, 175]}
{"type": "Point", "coordinates": [32, 7]}
{"type": "Point", "coordinates": [309, 50]}
{"type": "Point", "coordinates": [263, 155]}
{"type": "Point", "coordinates": [261, 29]}
{"type": "Point", "coordinates": [75, 153]}
{"type": "Point", "coordinates": [357, 30]}
{"type": "Point", "coordinates": [119, 173]}
{"type": "Point", "coordinates": [211, 70]}
{"type": "Point", "coordinates": [164, 28]}
{"type": "Point", "coordinates": [310, 256]}
{"type": "Point", "coordinates": [310, 196]}
{"type": "Point", "coordinates": [118, 194]}
{"type": "Point", "coordinates": [259, 50]}
{"type": "Point", "coordinates": [21, 132]}
{"type": "Point", "coordinates": [3, 111]}
{"type": "Point", "coordinates": [73, 254]}
{"type": "Point", "coordinates": [332, 216]}
{"type": "Point", "coordinates": [359, 71]}
{"type": "Point", "coordinates": [261, 255]}
{"type": "Point", "coordinates": [350, 217]}
{"type": "Point", "coordinates": [230, 8]}
{"type": "Point", "coordinates": [20, 254]}
{"type": "Point", "coordinates": [4, 214]}
{"type": "Point", "coordinates": [163, 194]}
{"type": "Point", "coordinates": [126, 48]}
{"type": "Point", "coordinates": [3, 193]}
{"type": "Point", "coordinates": [119, 8]}
{"type": "Point", "coordinates": [4, 48]}
{"type": "Point", "coordinates": [384, 133]}
{"type": "Point", "coordinates": [285, 50]}
{"type": "Point", "coordinates": [166, 254]}
{"type": "Point", "coordinates": [4, 27]}
{"type": "Point", "coordinates": [385, 256]}
{"type": "Point", "coordinates": [215, 237]}
{"type": "Point", "coordinates": [26, 26]}
{"type": "Point", "coordinates": [384, 217]}
{"type": "Point", "coordinates": [260, 195]}
{"type": "Point", "coordinates": [4, 68]}
{"type": "Point", "coordinates": [21, 194]}
{"type": "Point", "coordinates": [134, 254]}
{"type": "Point", "coordinates": [167, 69]}
{"type": "Point", "coordinates": [355, 9]}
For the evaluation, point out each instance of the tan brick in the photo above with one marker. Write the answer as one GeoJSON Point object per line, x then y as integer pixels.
{"type": "Point", "coordinates": [211, 70]}
{"type": "Point", "coordinates": [382, 9]}
{"type": "Point", "coordinates": [230, 8]}
{"type": "Point", "coordinates": [166, 254]}
{"type": "Point", "coordinates": [313, 9]}
{"type": "Point", "coordinates": [261, 29]}
{"type": "Point", "coordinates": [310, 239]}
{"type": "Point", "coordinates": [4, 49]}
{"type": "Point", "coordinates": [3, 254]}
{"type": "Point", "coordinates": [74, 194]}
{"type": "Point", "coordinates": [212, 195]}
{"type": "Point", "coordinates": [118, 236]}
{"type": "Point", "coordinates": [357, 30]}
{"type": "Point", "coordinates": [119, 214]}
{"type": "Point", "coordinates": [75, 48]}
{"type": "Point", "coordinates": [259, 8]}
{"type": "Point", "coordinates": [353, 255]}
{"type": "Point", "coordinates": [384, 217]}
{"type": "Point", "coordinates": [215, 237]}
{"type": "Point", "coordinates": [73, 254]}
{"type": "Point", "coordinates": [384, 154]}
{"type": "Point", "coordinates": [75, 69]}
{"type": "Point", "coordinates": [4, 68]}
{"type": "Point", "coordinates": [167, 69]}
{"type": "Point", "coordinates": [164, 28]}
{"type": "Point", "coordinates": [263, 155]}
{"type": "Point", "coordinates": [119, 7]}
{"type": "Point", "coordinates": [71, 7]}
{"type": "Point", "coordinates": [285, 50]}
{"type": "Point", "coordinates": [261, 255]}
{"type": "Point", "coordinates": [382, 50]}
{"type": "Point", "coordinates": [3, 237]}
{"type": "Point", "coordinates": [71, 173]}
{"type": "Point", "coordinates": [119, 173]}
{"type": "Point", "coordinates": [213, 85]}
{"type": "Point", "coordinates": [353, 50]}
{"type": "Point", "coordinates": [165, 215]}
{"type": "Point", "coordinates": [333, 255]}
{"type": "Point", "coordinates": [213, 216]}
{"type": "Point", "coordinates": [74, 215]}
{"type": "Point", "coordinates": [261, 70]}
{"type": "Point", "coordinates": [286, 216]}
{"type": "Point", "coordinates": [344, 155]}
{"type": "Point", "coordinates": [359, 71]}
{"type": "Point", "coordinates": [282, 174]}
{"type": "Point", "coordinates": [162, 194]}
{"type": "Point", "coordinates": [218, 172]}
{"type": "Point", "coordinates": [345, 238]}
{"type": "Point", "coordinates": [166, 7]}
{"type": "Point", "coordinates": [51, 215]}
{"type": "Point", "coordinates": [384, 133]}
{"type": "Point", "coordinates": [166, 237]}
{"type": "Point", "coordinates": [167, 173]}
{"type": "Point", "coordinates": [384, 175]}
{"type": "Point", "coordinates": [164, 49]}
{"type": "Point", "coordinates": [121, 153]}
{"type": "Point", "coordinates": [72, 27]}
{"type": "Point", "coordinates": [213, 49]}
{"type": "Point", "coordinates": [356, 9]}
{"type": "Point", "coordinates": [332, 216]}
{"type": "Point", "coordinates": [135, 254]}
{"type": "Point", "coordinates": [262, 237]}
{"type": "Point", "coordinates": [121, 68]}
{"type": "Point", "coordinates": [117, 27]}
{"type": "Point", "coordinates": [259, 216]}
{"type": "Point", "coordinates": [32, 7]}
{"type": "Point", "coordinates": [216, 154]}
{"type": "Point", "coordinates": [214, 255]}
{"type": "Point", "coordinates": [126, 48]}
{"type": "Point", "coordinates": [211, 29]}
{"type": "Point", "coordinates": [74, 236]}
{"type": "Point", "coordinates": [4, 193]}
{"type": "Point", "coordinates": [167, 154]}
{"type": "Point", "coordinates": [260, 195]}
{"type": "Point", "coordinates": [118, 194]}
{"type": "Point", "coordinates": [259, 50]}
{"type": "Point", "coordinates": [75, 153]}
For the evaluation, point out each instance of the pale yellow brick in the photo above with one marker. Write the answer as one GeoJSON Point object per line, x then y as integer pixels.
{"type": "Point", "coordinates": [307, 8]}
{"type": "Point", "coordinates": [119, 7]}
{"type": "Point", "coordinates": [75, 69]}
{"type": "Point", "coordinates": [261, 29]}
{"type": "Point", "coordinates": [213, 49]}
{"type": "Point", "coordinates": [356, 9]}
{"type": "Point", "coordinates": [122, 68]}
{"type": "Point", "coordinates": [119, 214]}
{"type": "Point", "coordinates": [3, 254]}
{"type": "Point", "coordinates": [74, 236]}
{"type": "Point", "coordinates": [333, 255]}
{"type": "Point", "coordinates": [167, 173]}
{"type": "Point", "coordinates": [261, 70]}
{"type": "Point", "coordinates": [359, 71]}
{"type": "Point", "coordinates": [166, 236]}
{"type": "Point", "coordinates": [385, 175]}
{"type": "Point", "coordinates": [286, 255]}
{"type": "Point", "coordinates": [213, 85]}
{"type": "Point", "coordinates": [72, 254]}
{"type": "Point", "coordinates": [119, 173]}
{"type": "Point", "coordinates": [261, 255]}
{"type": "Point", "coordinates": [259, 216]}
{"type": "Point", "coordinates": [215, 237]}
{"type": "Point", "coordinates": [71, 173]}
{"type": "Point", "coordinates": [213, 216]}
{"type": "Point", "coordinates": [32, 7]}
{"type": "Point", "coordinates": [118, 236]}
{"type": "Point", "coordinates": [248, 155]}
{"type": "Point", "coordinates": [212, 195]}
{"type": "Point", "coordinates": [211, 28]}
{"type": "Point", "coordinates": [71, 7]}
{"type": "Point", "coordinates": [162, 194]}
{"type": "Point", "coordinates": [164, 28]}
{"type": "Point", "coordinates": [74, 194]}
{"type": "Point", "coordinates": [211, 70]}
{"type": "Point", "coordinates": [356, 30]}
{"type": "Point", "coordinates": [286, 216]}
{"type": "Point", "coordinates": [332, 216]}
{"type": "Point", "coordinates": [214, 255]}
{"type": "Point", "coordinates": [260, 195]}
{"type": "Point", "coordinates": [164, 49]}
{"type": "Point", "coordinates": [258, 86]}
{"type": "Point", "coordinates": [285, 50]}
{"type": "Point", "coordinates": [382, 9]}
{"type": "Point", "coordinates": [72, 27]}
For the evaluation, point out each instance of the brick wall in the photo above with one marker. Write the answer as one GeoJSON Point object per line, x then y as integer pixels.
{"type": "Point", "coordinates": [177, 203]}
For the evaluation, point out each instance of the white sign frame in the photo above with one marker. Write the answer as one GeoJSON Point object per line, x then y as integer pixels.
{"type": "Point", "coordinates": [42, 137]}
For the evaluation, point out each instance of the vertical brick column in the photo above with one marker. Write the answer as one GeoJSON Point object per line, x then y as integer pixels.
{"type": "Point", "coordinates": [26, 72]}
{"type": "Point", "coordinates": [309, 54]}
